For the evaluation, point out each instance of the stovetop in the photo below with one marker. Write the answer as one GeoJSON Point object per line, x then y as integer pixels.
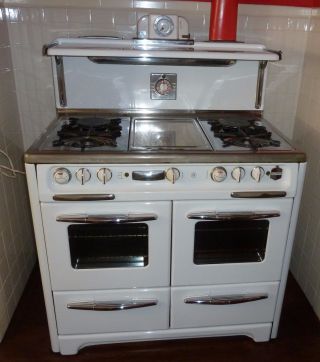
{"type": "Point", "coordinates": [161, 138]}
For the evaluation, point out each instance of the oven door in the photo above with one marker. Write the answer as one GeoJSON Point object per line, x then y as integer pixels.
{"type": "Point", "coordinates": [108, 245]}
{"type": "Point", "coordinates": [228, 241]}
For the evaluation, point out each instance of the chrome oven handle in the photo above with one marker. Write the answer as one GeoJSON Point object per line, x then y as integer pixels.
{"type": "Point", "coordinates": [106, 219]}
{"type": "Point", "coordinates": [225, 216]}
{"type": "Point", "coordinates": [108, 306]}
{"type": "Point", "coordinates": [83, 197]}
{"type": "Point", "coordinates": [225, 299]}
{"type": "Point", "coordinates": [258, 194]}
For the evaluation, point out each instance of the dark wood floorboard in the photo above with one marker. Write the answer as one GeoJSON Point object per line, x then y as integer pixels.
{"type": "Point", "coordinates": [27, 338]}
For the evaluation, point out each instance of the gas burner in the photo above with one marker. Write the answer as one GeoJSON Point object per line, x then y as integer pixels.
{"type": "Point", "coordinates": [89, 133]}
{"type": "Point", "coordinates": [246, 133]}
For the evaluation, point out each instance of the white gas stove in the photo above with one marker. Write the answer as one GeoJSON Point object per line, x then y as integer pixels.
{"type": "Point", "coordinates": [164, 205]}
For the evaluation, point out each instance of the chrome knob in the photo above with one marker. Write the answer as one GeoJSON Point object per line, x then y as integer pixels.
{"type": "Point", "coordinates": [172, 174]}
{"type": "Point", "coordinates": [218, 174]}
{"type": "Point", "coordinates": [62, 176]}
{"type": "Point", "coordinates": [83, 175]}
{"type": "Point", "coordinates": [238, 173]}
{"type": "Point", "coordinates": [257, 173]}
{"type": "Point", "coordinates": [104, 175]}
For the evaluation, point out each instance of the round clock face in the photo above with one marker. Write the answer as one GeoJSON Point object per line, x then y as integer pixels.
{"type": "Point", "coordinates": [163, 26]}
{"type": "Point", "coordinates": [163, 86]}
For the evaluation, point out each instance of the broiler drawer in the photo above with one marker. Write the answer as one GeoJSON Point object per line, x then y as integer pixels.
{"type": "Point", "coordinates": [223, 305]}
{"type": "Point", "coordinates": [112, 311]}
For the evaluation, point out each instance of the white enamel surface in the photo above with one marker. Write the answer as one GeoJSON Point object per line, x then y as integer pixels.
{"type": "Point", "coordinates": [259, 332]}
{"type": "Point", "coordinates": [71, 321]}
{"type": "Point", "coordinates": [125, 48]}
{"type": "Point", "coordinates": [64, 277]}
{"type": "Point", "coordinates": [193, 177]}
{"type": "Point", "coordinates": [198, 315]}
{"type": "Point", "coordinates": [185, 272]}
{"type": "Point", "coordinates": [106, 86]}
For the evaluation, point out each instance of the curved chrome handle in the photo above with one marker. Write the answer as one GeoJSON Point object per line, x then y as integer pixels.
{"type": "Point", "coordinates": [148, 175]}
{"type": "Point", "coordinates": [241, 215]}
{"type": "Point", "coordinates": [83, 197]}
{"type": "Point", "coordinates": [226, 299]}
{"type": "Point", "coordinates": [113, 305]}
{"type": "Point", "coordinates": [106, 219]}
{"type": "Point", "coordinates": [258, 194]}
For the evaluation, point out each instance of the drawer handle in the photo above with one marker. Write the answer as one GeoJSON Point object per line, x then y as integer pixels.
{"type": "Point", "coordinates": [83, 197]}
{"type": "Point", "coordinates": [106, 219]}
{"type": "Point", "coordinates": [113, 305]}
{"type": "Point", "coordinates": [241, 215]}
{"type": "Point", "coordinates": [258, 194]}
{"type": "Point", "coordinates": [225, 299]}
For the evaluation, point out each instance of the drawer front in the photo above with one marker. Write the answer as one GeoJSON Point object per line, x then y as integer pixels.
{"type": "Point", "coordinates": [112, 311]}
{"type": "Point", "coordinates": [223, 305]}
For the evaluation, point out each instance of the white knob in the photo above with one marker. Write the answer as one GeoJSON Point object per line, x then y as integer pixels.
{"type": "Point", "coordinates": [62, 176]}
{"type": "Point", "coordinates": [257, 173]}
{"type": "Point", "coordinates": [218, 174]}
{"type": "Point", "coordinates": [238, 173]}
{"type": "Point", "coordinates": [83, 175]}
{"type": "Point", "coordinates": [172, 174]}
{"type": "Point", "coordinates": [104, 175]}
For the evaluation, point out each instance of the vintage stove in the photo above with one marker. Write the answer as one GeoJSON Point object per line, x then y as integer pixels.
{"type": "Point", "coordinates": [164, 205]}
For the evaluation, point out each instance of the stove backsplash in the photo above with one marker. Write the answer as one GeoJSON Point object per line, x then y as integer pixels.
{"type": "Point", "coordinates": [30, 27]}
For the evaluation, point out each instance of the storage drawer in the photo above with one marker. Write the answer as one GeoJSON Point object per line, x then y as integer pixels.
{"type": "Point", "coordinates": [114, 311]}
{"type": "Point", "coordinates": [223, 305]}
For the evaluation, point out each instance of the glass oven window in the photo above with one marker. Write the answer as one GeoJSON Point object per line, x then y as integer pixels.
{"type": "Point", "coordinates": [108, 246]}
{"type": "Point", "coordinates": [218, 242]}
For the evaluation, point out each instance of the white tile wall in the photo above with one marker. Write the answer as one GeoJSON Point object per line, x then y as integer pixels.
{"type": "Point", "coordinates": [17, 253]}
{"type": "Point", "coordinates": [33, 23]}
{"type": "Point", "coordinates": [306, 254]}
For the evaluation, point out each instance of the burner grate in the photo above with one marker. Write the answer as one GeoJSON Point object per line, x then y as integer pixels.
{"type": "Point", "coordinates": [245, 133]}
{"type": "Point", "coordinates": [86, 133]}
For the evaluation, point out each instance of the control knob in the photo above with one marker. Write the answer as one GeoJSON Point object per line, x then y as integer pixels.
{"type": "Point", "coordinates": [219, 174]}
{"type": "Point", "coordinates": [62, 176]}
{"type": "Point", "coordinates": [172, 174]}
{"type": "Point", "coordinates": [104, 175]}
{"type": "Point", "coordinates": [238, 173]}
{"type": "Point", "coordinates": [257, 173]}
{"type": "Point", "coordinates": [83, 175]}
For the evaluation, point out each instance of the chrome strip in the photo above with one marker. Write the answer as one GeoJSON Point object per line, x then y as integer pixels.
{"type": "Point", "coordinates": [225, 299]}
{"type": "Point", "coordinates": [241, 215]}
{"type": "Point", "coordinates": [106, 219]}
{"type": "Point", "coordinates": [163, 61]}
{"type": "Point", "coordinates": [260, 82]}
{"type": "Point", "coordinates": [148, 175]}
{"type": "Point", "coordinates": [113, 305]}
{"type": "Point", "coordinates": [85, 197]}
{"type": "Point", "coordinates": [258, 194]}
{"type": "Point", "coordinates": [61, 82]}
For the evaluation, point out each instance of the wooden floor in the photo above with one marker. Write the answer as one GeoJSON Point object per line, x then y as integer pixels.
{"type": "Point", "coordinates": [299, 338]}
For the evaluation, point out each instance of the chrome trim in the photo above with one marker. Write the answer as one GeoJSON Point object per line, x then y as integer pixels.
{"type": "Point", "coordinates": [258, 194]}
{"type": "Point", "coordinates": [260, 83]}
{"type": "Point", "coordinates": [148, 175]}
{"type": "Point", "coordinates": [107, 306]}
{"type": "Point", "coordinates": [226, 299]}
{"type": "Point", "coordinates": [106, 219]}
{"type": "Point", "coordinates": [161, 42]}
{"type": "Point", "coordinates": [163, 61]}
{"type": "Point", "coordinates": [83, 197]}
{"type": "Point", "coordinates": [237, 215]}
{"type": "Point", "coordinates": [61, 82]}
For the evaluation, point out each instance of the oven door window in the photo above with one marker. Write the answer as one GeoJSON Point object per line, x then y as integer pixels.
{"type": "Point", "coordinates": [108, 246]}
{"type": "Point", "coordinates": [219, 242]}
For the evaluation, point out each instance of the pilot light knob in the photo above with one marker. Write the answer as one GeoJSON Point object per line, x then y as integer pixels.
{"type": "Point", "coordinates": [219, 174]}
{"type": "Point", "coordinates": [238, 173]}
{"type": "Point", "coordinates": [172, 174]}
{"type": "Point", "coordinates": [62, 176]}
{"type": "Point", "coordinates": [104, 175]}
{"type": "Point", "coordinates": [83, 175]}
{"type": "Point", "coordinates": [257, 173]}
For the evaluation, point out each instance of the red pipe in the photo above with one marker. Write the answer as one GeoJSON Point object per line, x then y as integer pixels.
{"type": "Point", "coordinates": [223, 20]}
